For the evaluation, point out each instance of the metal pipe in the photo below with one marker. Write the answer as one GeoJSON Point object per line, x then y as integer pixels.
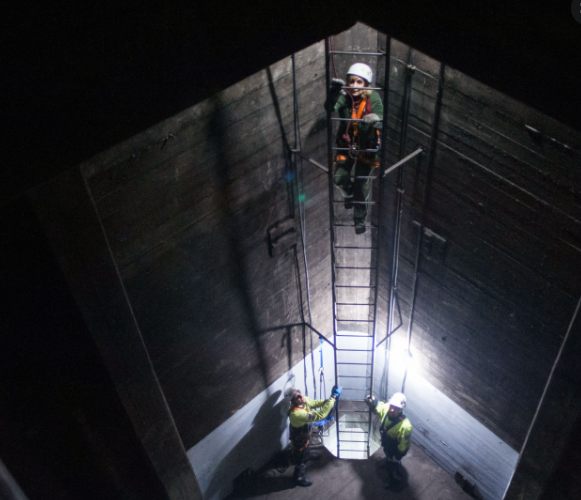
{"type": "Point", "coordinates": [331, 218]}
{"type": "Point", "coordinates": [310, 160]}
{"type": "Point", "coordinates": [321, 336]}
{"type": "Point", "coordinates": [403, 161]}
{"type": "Point", "coordinates": [399, 201]}
{"type": "Point", "coordinates": [544, 394]}
{"type": "Point", "coordinates": [429, 169]}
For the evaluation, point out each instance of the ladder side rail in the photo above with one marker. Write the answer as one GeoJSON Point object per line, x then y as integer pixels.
{"type": "Point", "coordinates": [378, 235]}
{"type": "Point", "coordinates": [331, 221]}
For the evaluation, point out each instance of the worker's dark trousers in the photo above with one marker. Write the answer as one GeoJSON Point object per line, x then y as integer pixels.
{"type": "Point", "coordinates": [356, 189]}
{"type": "Point", "coordinates": [393, 457]}
{"type": "Point", "coordinates": [300, 458]}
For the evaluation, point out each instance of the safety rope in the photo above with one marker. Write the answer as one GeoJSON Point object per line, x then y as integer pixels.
{"type": "Point", "coordinates": [298, 180]}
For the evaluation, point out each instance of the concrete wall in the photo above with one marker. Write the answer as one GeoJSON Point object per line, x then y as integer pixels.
{"type": "Point", "coordinates": [498, 266]}
{"type": "Point", "coordinates": [189, 208]}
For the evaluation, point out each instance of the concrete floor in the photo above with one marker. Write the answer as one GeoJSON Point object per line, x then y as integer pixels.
{"type": "Point", "coordinates": [352, 479]}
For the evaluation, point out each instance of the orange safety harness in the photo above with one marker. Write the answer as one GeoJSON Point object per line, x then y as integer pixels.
{"type": "Point", "coordinates": [357, 114]}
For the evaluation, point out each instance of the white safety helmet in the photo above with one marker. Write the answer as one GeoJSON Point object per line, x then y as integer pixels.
{"type": "Point", "coordinates": [398, 400]}
{"type": "Point", "coordinates": [362, 70]}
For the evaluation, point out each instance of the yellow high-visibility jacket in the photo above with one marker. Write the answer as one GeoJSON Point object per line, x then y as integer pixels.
{"type": "Point", "coordinates": [301, 416]}
{"type": "Point", "coordinates": [400, 432]}
{"type": "Point", "coordinates": [311, 411]}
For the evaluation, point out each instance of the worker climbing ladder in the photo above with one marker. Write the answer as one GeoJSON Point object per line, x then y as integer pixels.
{"type": "Point", "coordinates": [354, 259]}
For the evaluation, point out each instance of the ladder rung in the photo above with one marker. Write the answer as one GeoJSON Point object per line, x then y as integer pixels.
{"type": "Point", "coordinates": [350, 363]}
{"type": "Point", "coordinates": [337, 119]}
{"type": "Point", "coordinates": [353, 411]}
{"type": "Point", "coordinates": [369, 150]}
{"type": "Point", "coordinates": [356, 248]}
{"type": "Point", "coordinates": [354, 286]}
{"type": "Point", "coordinates": [341, 450]}
{"type": "Point", "coordinates": [354, 350]}
{"type": "Point", "coordinates": [355, 53]}
{"type": "Point", "coordinates": [355, 320]}
{"type": "Point", "coordinates": [355, 376]}
{"type": "Point", "coordinates": [354, 431]}
{"type": "Point", "coordinates": [353, 304]}
{"type": "Point", "coordinates": [357, 336]}
{"type": "Point", "coordinates": [354, 267]}
{"type": "Point", "coordinates": [372, 226]}
{"type": "Point", "coordinates": [357, 202]}
{"type": "Point", "coordinates": [353, 441]}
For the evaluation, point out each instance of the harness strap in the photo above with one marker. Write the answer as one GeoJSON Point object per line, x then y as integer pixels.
{"type": "Point", "coordinates": [385, 428]}
{"type": "Point", "coordinates": [357, 114]}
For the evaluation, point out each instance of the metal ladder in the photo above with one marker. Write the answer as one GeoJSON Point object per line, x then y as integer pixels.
{"type": "Point", "coordinates": [355, 265]}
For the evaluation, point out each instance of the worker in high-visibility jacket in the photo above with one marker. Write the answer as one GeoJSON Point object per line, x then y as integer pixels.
{"type": "Point", "coordinates": [358, 138]}
{"type": "Point", "coordinates": [395, 430]}
{"type": "Point", "coordinates": [303, 412]}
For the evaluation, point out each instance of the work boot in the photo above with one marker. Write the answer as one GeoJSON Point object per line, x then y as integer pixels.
{"type": "Point", "coordinates": [303, 481]}
{"type": "Point", "coordinates": [300, 476]}
{"type": "Point", "coordinates": [348, 202]}
{"type": "Point", "coordinates": [359, 227]}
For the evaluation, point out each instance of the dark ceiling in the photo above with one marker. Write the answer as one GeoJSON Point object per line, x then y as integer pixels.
{"type": "Point", "coordinates": [81, 77]}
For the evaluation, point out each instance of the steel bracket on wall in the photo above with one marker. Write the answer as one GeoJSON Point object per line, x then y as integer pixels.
{"type": "Point", "coordinates": [282, 236]}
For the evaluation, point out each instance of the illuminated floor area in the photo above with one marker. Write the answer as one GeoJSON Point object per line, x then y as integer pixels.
{"type": "Point", "coordinates": [353, 479]}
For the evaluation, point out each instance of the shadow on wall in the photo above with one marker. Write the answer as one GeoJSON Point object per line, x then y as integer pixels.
{"type": "Point", "coordinates": [257, 444]}
{"type": "Point", "coordinates": [216, 136]}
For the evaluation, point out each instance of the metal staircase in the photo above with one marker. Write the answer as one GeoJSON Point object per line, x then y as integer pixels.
{"type": "Point", "coordinates": [355, 263]}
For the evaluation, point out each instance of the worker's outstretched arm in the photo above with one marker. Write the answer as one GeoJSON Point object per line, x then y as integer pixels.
{"type": "Point", "coordinates": [302, 416]}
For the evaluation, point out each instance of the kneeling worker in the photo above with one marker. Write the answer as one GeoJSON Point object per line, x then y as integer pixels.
{"type": "Point", "coordinates": [303, 412]}
{"type": "Point", "coordinates": [396, 430]}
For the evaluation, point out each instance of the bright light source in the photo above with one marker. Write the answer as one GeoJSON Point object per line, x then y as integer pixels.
{"type": "Point", "coordinates": [401, 359]}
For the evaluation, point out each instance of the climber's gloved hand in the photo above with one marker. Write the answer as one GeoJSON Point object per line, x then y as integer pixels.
{"type": "Point", "coordinates": [373, 119]}
{"type": "Point", "coordinates": [336, 391]}
{"type": "Point", "coordinates": [335, 90]}
{"type": "Point", "coordinates": [337, 85]}
{"type": "Point", "coordinates": [371, 401]}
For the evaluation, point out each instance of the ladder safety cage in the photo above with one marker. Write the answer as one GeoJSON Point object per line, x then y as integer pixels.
{"type": "Point", "coordinates": [355, 267]}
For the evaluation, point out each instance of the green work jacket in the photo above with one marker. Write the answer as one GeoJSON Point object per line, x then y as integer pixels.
{"type": "Point", "coordinates": [343, 107]}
